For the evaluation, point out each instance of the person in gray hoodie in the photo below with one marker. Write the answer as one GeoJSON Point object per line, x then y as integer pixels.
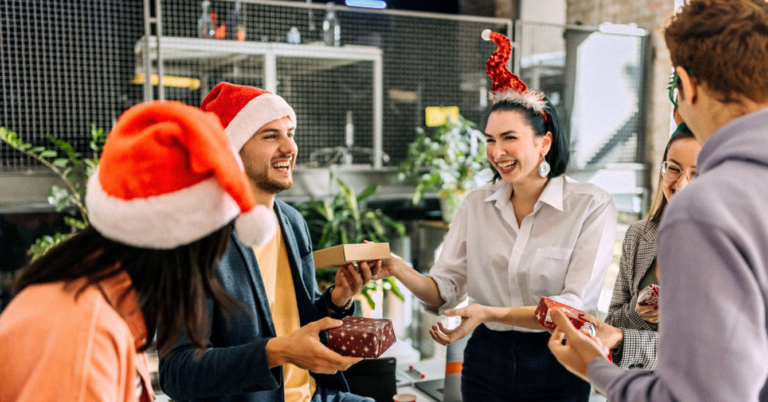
{"type": "Point", "coordinates": [713, 242]}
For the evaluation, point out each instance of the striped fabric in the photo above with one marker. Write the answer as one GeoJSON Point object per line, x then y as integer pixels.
{"type": "Point", "coordinates": [641, 338]}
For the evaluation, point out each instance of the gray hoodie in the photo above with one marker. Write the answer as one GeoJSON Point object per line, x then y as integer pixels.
{"type": "Point", "coordinates": [713, 267]}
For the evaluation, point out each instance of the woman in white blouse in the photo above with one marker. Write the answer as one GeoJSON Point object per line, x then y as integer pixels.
{"type": "Point", "coordinates": [531, 233]}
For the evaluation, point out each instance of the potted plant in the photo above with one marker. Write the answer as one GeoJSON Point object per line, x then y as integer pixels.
{"type": "Point", "coordinates": [73, 169]}
{"type": "Point", "coordinates": [449, 160]}
{"type": "Point", "coordinates": [340, 221]}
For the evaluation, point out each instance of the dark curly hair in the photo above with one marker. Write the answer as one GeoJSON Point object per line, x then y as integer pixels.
{"type": "Point", "coordinates": [725, 44]}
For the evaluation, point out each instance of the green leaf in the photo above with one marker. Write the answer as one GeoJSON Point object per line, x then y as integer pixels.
{"type": "Point", "coordinates": [75, 223]}
{"type": "Point", "coordinates": [37, 150]}
{"type": "Point", "coordinates": [368, 298]}
{"type": "Point", "coordinates": [45, 243]}
{"type": "Point", "coordinates": [394, 288]}
{"type": "Point", "coordinates": [61, 162]}
{"type": "Point", "coordinates": [367, 193]}
{"type": "Point", "coordinates": [60, 198]}
{"type": "Point", "coordinates": [48, 154]}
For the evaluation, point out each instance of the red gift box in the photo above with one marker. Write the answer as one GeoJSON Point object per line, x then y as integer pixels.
{"type": "Point", "coordinates": [361, 337]}
{"type": "Point", "coordinates": [543, 311]}
{"type": "Point", "coordinates": [649, 296]}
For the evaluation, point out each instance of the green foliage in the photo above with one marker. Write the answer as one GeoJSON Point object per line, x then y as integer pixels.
{"type": "Point", "coordinates": [72, 168]}
{"type": "Point", "coordinates": [341, 221]}
{"type": "Point", "coordinates": [448, 160]}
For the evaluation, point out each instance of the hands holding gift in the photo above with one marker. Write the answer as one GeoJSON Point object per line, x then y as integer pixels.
{"type": "Point", "coordinates": [648, 313]}
{"type": "Point", "coordinates": [574, 349]}
{"type": "Point", "coordinates": [647, 306]}
{"type": "Point", "coordinates": [610, 336]}
{"type": "Point", "coordinates": [350, 281]}
{"type": "Point", "coordinates": [303, 348]}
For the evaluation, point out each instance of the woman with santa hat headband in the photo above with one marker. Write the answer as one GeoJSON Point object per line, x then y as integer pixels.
{"type": "Point", "coordinates": [530, 233]}
{"type": "Point", "coordinates": [160, 206]}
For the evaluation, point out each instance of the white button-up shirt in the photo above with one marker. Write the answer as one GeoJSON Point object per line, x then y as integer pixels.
{"type": "Point", "coordinates": [562, 250]}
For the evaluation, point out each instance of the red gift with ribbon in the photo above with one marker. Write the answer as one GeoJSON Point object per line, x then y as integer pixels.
{"type": "Point", "coordinates": [649, 296]}
{"type": "Point", "coordinates": [573, 314]}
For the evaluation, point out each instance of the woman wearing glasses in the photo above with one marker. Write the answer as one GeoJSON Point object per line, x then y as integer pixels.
{"type": "Point", "coordinates": [631, 330]}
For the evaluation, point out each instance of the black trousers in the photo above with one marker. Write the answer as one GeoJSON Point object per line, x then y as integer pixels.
{"type": "Point", "coordinates": [516, 366]}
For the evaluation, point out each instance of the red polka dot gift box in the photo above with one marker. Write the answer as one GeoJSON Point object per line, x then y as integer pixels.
{"type": "Point", "coordinates": [362, 337]}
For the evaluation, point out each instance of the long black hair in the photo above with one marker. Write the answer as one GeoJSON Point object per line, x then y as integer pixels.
{"type": "Point", "coordinates": [171, 285]}
{"type": "Point", "coordinates": [559, 152]}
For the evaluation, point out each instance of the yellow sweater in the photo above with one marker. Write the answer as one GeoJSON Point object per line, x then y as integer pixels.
{"type": "Point", "coordinates": [278, 282]}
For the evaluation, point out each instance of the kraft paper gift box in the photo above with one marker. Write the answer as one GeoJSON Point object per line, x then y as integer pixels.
{"type": "Point", "coordinates": [361, 337]}
{"type": "Point", "coordinates": [349, 253]}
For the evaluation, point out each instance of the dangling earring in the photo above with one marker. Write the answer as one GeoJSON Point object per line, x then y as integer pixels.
{"type": "Point", "coordinates": [544, 168]}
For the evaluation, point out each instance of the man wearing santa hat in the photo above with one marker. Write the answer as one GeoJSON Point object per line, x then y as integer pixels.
{"type": "Point", "coordinates": [273, 351]}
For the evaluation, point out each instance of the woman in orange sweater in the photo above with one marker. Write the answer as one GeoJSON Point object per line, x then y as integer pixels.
{"type": "Point", "coordinates": [159, 205]}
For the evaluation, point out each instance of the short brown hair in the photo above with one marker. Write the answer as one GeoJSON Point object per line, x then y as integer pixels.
{"type": "Point", "coordinates": [725, 44]}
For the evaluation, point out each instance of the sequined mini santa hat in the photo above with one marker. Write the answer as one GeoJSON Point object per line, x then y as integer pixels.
{"type": "Point", "coordinates": [506, 86]}
{"type": "Point", "coordinates": [243, 110]}
{"type": "Point", "coordinates": [169, 176]}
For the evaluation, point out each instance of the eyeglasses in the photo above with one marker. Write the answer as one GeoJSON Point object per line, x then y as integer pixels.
{"type": "Point", "coordinates": [674, 82]}
{"type": "Point", "coordinates": [671, 171]}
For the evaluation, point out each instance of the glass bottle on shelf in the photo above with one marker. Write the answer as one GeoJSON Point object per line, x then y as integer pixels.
{"type": "Point", "coordinates": [294, 36]}
{"type": "Point", "coordinates": [236, 23]}
{"type": "Point", "coordinates": [205, 27]}
{"type": "Point", "coordinates": [331, 27]}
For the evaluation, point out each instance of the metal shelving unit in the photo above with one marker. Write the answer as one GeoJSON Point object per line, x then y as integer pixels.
{"type": "Point", "coordinates": [275, 63]}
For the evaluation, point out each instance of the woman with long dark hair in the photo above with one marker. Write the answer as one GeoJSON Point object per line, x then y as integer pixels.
{"type": "Point", "coordinates": [532, 233]}
{"type": "Point", "coordinates": [160, 204]}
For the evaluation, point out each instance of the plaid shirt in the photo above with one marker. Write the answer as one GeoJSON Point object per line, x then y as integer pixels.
{"type": "Point", "coordinates": [641, 338]}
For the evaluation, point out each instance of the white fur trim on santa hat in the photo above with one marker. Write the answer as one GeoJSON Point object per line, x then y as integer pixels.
{"type": "Point", "coordinates": [164, 221]}
{"type": "Point", "coordinates": [254, 115]}
{"type": "Point", "coordinates": [256, 227]}
{"type": "Point", "coordinates": [531, 99]}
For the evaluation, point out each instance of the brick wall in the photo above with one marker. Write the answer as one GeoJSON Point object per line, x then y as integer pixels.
{"type": "Point", "coordinates": [488, 8]}
{"type": "Point", "coordinates": [651, 15]}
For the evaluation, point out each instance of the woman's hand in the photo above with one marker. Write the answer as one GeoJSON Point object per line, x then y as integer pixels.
{"type": "Point", "coordinates": [610, 336]}
{"type": "Point", "coordinates": [388, 267]}
{"type": "Point", "coordinates": [648, 313]}
{"type": "Point", "coordinates": [471, 317]}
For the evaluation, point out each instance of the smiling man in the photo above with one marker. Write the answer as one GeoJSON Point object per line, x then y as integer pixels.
{"type": "Point", "coordinates": [275, 350]}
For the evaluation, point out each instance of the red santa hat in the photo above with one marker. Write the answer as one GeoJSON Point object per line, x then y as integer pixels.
{"type": "Point", "coordinates": [169, 176]}
{"type": "Point", "coordinates": [506, 86]}
{"type": "Point", "coordinates": [244, 110]}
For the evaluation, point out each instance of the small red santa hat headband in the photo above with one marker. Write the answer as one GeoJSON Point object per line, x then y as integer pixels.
{"type": "Point", "coordinates": [169, 176]}
{"type": "Point", "coordinates": [508, 87]}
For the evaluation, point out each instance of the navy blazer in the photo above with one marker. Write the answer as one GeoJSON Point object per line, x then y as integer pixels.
{"type": "Point", "coordinates": [234, 368]}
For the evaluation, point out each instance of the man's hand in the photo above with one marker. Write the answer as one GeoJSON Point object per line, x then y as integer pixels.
{"type": "Point", "coordinates": [471, 317]}
{"type": "Point", "coordinates": [350, 281]}
{"type": "Point", "coordinates": [610, 336]}
{"type": "Point", "coordinates": [303, 348]}
{"type": "Point", "coordinates": [648, 313]}
{"type": "Point", "coordinates": [573, 349]}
